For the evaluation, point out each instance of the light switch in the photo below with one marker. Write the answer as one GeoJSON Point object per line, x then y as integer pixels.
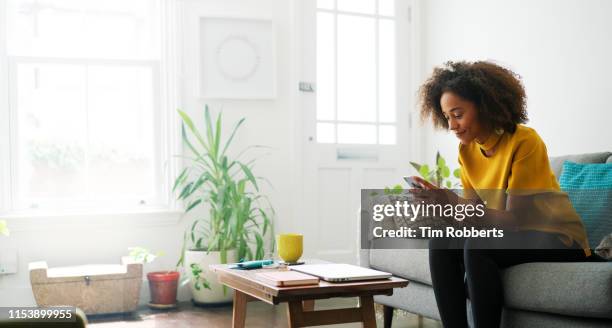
{"type": "Point", "coordinates": [306, 87]}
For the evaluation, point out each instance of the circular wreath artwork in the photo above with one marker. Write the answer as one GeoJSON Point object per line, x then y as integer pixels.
{"type": "Point", "coordinates": [231, 47]}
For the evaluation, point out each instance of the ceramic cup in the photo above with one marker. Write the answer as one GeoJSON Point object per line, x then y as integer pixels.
{"type": "Point", "coordinates": [290, 247]}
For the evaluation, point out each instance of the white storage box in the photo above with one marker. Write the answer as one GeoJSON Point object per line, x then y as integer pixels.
{"type": "Point", "coordinates": [96, 289]}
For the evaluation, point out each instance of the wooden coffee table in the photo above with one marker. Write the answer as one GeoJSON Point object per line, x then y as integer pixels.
{"type": "Point", "coordinates": [300, 299]}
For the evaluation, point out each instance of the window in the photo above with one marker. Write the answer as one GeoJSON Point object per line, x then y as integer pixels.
{"type": "Point", "coordinates": [356, 81]}
{"type": "Point", "coordinates": [85, 112]}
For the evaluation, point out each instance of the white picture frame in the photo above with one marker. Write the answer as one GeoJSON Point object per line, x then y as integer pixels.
{"type": "Point", "coordinates": [237, 58]}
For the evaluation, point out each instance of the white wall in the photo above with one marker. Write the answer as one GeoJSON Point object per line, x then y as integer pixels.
{"type": "Point", "coordinates": [561, 48]}
{"type": "Point", "coordinates": [272, 123]}
{"type": "Point", "coordinates": [269, 123]}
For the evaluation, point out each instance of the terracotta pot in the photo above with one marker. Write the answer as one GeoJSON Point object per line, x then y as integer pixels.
{"type": "Point", "coordinates": [162, 285]}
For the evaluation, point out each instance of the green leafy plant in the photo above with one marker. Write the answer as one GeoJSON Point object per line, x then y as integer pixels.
{"type": "Point", "coordinates": [395, 190]}
{"type": "Point", "coordinates": [439, 174]}
{"type": "Point", "coordinates": [4, 228]}
{"type": "Point", "coordinates": [200, 281]}
{"type": "Point", "coordinates": [237, 218]}
{"type": "Point", "coordinates": [143, 255]}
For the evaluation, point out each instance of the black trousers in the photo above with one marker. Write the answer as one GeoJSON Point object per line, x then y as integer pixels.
{"type": "Point", "coordinates": [480, 261]}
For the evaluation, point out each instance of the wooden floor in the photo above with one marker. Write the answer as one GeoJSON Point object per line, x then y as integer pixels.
{"type": "Point", "coordinates": [259, 315]}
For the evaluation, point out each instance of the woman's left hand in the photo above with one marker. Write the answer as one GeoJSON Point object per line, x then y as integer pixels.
{"type": "Point", "coordinates": [424, 183]}
{"type": "Point", "coordinates": [432, 193]}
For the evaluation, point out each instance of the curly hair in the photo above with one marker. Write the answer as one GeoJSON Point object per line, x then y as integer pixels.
{"type": "Point", "coordinates": [497, 93]}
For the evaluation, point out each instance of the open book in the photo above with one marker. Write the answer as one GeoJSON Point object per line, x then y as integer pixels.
{"type": "Point", "coordinates": [287, 278]}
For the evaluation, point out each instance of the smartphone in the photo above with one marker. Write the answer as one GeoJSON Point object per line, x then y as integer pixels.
{"type": "Point", "coordinates": [413, 183]}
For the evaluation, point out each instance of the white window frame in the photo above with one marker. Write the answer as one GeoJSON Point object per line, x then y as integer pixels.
{"type": "Point", "coordinates": [168, 144]}
{"type": "Point", "coordinates": [14, 61]}
{"type": "Point", "coordinates": [377, 17]}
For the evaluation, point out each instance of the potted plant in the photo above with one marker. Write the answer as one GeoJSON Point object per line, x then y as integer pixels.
{"type": "Point", "coordinates": [162, 284]}
{"type": "Point", "coordinates": [236, 215]}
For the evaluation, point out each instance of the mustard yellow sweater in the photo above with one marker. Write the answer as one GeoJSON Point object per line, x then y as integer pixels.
{"type": "Point", "coordinates": [520, 166]}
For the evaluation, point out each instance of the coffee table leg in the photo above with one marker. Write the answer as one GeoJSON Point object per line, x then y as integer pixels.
{"type": "Point", "coordinates": [366, 303]}
{"type": "Point", "coordinates": [239, 312]}
{"type": "Point", "coordinates": [294, 313]}
{"type": "Point", "coordinates": [308, 305]}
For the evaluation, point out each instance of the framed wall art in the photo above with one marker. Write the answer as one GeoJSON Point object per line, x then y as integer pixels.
{"type": "Point", "coordinates": [237, 58]}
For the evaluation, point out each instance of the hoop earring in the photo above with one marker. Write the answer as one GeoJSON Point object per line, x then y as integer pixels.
{"type": "Point", "coordinates": [499, 131]}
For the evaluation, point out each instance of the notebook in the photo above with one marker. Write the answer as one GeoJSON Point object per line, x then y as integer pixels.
{"type": "Point", "coordinates": [287, 278]}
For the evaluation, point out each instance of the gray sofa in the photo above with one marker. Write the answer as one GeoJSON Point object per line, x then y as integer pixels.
{"type": "Point", "coordinates": [536, 294]}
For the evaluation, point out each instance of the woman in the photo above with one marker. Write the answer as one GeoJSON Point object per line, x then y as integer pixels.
{"type": "Point", "coordinates": [504, 165]}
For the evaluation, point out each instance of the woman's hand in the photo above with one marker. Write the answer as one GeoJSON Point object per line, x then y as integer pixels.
{"type": "Point", "coordinates": [424, 183]}
{"type": "Point", "coordinates": [431, 193]}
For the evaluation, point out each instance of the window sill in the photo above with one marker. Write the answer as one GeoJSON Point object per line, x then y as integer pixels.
{"type": "Point", "coordinates": [39, 220]}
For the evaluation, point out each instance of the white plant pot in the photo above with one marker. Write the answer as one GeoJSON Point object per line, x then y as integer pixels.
{"type": "Point", "coordinates": [216, 294]}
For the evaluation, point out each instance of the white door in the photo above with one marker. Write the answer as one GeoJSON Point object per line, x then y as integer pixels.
{"type": "Point", "coordinates": [356, 60]}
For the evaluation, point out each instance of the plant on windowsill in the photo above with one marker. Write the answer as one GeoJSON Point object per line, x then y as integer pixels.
{"type": "Point", "coordinates": [162, 284]}
{"type": "Point", "coordinates": [239, 216]}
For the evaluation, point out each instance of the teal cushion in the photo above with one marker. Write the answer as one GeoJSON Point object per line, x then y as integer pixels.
{"type": "Point", "coordinates": [589, 187]}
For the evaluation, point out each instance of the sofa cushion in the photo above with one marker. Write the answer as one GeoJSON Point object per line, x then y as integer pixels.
{"type": "Point", "coordinates": [412, 264]}
{"type": "Point", "coordinates": [575, 289]}
{"type": "Point", "coordinates": [556, 163]}
{"type": "Point", "coordinates": [589, 187]}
